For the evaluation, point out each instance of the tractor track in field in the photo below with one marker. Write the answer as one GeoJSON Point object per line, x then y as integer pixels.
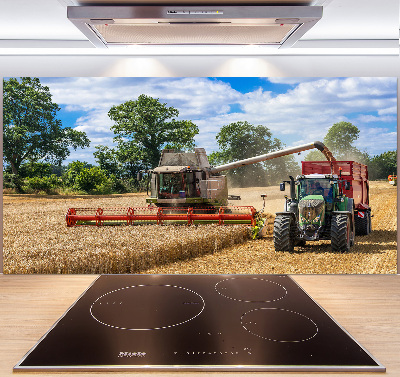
{"type": "Point", "coordinates": [36, 240]}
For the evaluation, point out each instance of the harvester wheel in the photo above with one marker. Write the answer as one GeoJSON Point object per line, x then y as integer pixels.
{"type": "Point", "coordinates": [283, 233]}
{"type": "Point", "coordinates": [341, 233]}
{"type": "Point", "coordinates": [363, 224]}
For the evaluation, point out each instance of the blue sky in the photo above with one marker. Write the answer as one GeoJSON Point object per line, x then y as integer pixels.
{"type": "Point", "coordinates": [296, 110]}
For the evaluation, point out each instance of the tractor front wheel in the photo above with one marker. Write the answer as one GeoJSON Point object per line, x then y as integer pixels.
{"type": "Point", "coordinates": [341, 233]}
{"type": "Point", "coordinates": [283, 233]}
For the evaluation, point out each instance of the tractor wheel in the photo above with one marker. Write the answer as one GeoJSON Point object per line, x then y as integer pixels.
{"type": "Point", "coordinates": [283, 233]}
{"type": "Point", "coordinates": [352, 230]}
{"type": "Point", "coordinates": [363, 224]}
{"type": "Point", "coordinates": [341, 233]}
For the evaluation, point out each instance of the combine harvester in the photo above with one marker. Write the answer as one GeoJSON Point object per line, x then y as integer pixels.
{"type": "Point", "coordinates": [185, 189]}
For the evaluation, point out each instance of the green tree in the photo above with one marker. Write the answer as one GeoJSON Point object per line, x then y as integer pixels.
{"type": "Point", "coordinates": [144, 127]}
{"type": "Point", "coordinates": [35, 169]}
{"type": "Point", "coordinates": [314, 155]}
{"type": "Point", "coordinates": [108, 160]}
{"type": "Point", "coordinates": [73, 170]}
{"type": "Point", "coordinates": [83, 176]}
{"type": "Point", "coordinates": [120, 167]}
{"type": "Point", "coordinates": [383, 165]}
{"type": "Point", "coordinates": [90, 179]}
{"type": "Point", "coordinates": [241, 140]}
{"type": "Point", "coordinates": [339, 139]}
{"type": "Point", "coordinates": [31, 130]}
{"type": "Point", "coordinates": [48, 184]}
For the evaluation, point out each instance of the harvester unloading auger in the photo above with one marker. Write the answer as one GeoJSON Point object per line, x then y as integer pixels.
{"type": "Point", "coordinates": [186, 189]}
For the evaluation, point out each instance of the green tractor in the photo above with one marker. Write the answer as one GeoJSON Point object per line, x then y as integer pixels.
{"type": "Point", "coordinates": [317, 209]}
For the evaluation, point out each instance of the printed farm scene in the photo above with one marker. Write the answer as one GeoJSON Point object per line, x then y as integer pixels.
{"type": "Point", "coordinates": [224, 175]}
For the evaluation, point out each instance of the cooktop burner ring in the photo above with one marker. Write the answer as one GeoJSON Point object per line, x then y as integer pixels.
{"type": "Point", "coordinates": [282, 291]}
{"type": "Point", "coordinates": [309, 328]}
{"type": "Point", "coordinates": [190, 295]}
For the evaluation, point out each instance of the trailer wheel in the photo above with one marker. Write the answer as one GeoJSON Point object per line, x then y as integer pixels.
{"type": "Point", "coordinates": [363, 224]}
{"type": "Point", "coordinates": [284, 233]}
{"type": "Point", "coordinates": [341, 233]}
{"type": "Point", "coordinates": [370, 222]}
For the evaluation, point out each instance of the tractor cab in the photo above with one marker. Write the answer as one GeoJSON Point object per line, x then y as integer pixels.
{"type": "Point", "coordinates": [313, 199]}
{"type": "Point", "coordinates": [315, 195]}
{"type": "Point", "coordinates": [311, 185]}
{"type": "Point", "coordinates": [317, 185]}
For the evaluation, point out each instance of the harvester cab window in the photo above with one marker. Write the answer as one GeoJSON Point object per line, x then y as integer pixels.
{"type": "Point", "coordinates": [190, 180]}
{"type": "Point", "coordinates": [171, 185]}
{"type": "Point", "coordinates": [178, 185]}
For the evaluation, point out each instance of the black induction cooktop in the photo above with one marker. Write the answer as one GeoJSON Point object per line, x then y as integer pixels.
{"type": "Point", "coordinates": [197, 322]}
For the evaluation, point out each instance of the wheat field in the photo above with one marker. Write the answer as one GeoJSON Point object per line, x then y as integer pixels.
{"type": "Point", "coordinates": [37, 240]}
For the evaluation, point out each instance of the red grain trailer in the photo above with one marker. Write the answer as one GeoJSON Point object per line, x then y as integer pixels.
{"type": "Point", "coordinates": [357, 175]}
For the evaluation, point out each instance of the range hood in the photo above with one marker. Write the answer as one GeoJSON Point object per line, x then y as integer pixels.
{"type": "Point", "coordinates": [276, 26]}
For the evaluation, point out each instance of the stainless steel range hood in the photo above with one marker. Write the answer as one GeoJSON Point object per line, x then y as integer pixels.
{"type": "Point", "coordinates": [277, 26]}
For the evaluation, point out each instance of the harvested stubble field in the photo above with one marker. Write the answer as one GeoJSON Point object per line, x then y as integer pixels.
{"type": "Point", "coordinates": [36, 240]}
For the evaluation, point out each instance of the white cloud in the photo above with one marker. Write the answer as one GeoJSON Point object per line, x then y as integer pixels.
{"type": "Point", "coordinates": [376, 140]}
{"type": "Point", "coordinates": [290, 80]}
{"type": "Point", "coordinates": [389, 110]}
{"type": "Point", "coordinates": [373, 118]}
{"type": "Point", "coordinates": [316, 104]}
{"type": "Point", "coordinates": [305, 111]}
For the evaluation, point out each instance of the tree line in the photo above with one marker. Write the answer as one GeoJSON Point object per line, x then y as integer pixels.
{"type": "Point", "coordinates": [35, 145]}
{"type": "Point", "coordinates": [340, 140]}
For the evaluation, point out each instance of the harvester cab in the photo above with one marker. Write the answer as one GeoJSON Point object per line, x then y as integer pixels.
{"type": "Point", "coordinates": [184, 180]}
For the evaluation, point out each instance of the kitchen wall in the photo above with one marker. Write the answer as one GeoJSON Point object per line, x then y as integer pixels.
{"type": "Point", "coordinates": [147, 66]}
